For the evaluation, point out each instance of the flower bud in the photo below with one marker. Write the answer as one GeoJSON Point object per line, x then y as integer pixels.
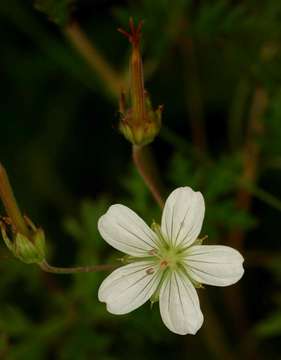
{"type": "Point", "coordinates": [27, 241]}
{"type": "Point", "coordinates": [139, 122]}
{"type": "Point", "coordinates": [28, 248]}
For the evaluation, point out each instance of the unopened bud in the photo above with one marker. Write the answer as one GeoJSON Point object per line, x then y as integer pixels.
{"type": "Point", "coordinates": [28, 248]}
{"type": "Point", "coordinates": [25, 240]}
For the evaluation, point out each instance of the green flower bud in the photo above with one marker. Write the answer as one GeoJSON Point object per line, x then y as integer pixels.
{"type": "Point", "coordinates": [30, 252]}
{"type": "Point", "coordinates": [27, 241]}
{"type": "Point", "coordinates": [143, 132]}
{"type": "Point", "coordinates": [29, 249]}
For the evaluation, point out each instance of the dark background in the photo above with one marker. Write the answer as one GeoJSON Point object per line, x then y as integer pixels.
{"type": "Point", "coordinates": [216, 68]}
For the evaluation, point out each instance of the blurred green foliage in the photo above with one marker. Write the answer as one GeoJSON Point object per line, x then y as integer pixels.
{"type": "Point", "coordinates": [68, 163]}
{"type": "Point", "coordinates": [58, 11]}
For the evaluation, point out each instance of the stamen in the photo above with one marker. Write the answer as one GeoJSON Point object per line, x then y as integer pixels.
{"type": "Point", "coordinates": [163, 264]}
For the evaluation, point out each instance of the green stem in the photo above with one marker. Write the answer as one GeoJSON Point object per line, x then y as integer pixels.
{"type": "Point", "coordinates": [10, 203]}
{"type": "Point", "coordinates": [73, 270]}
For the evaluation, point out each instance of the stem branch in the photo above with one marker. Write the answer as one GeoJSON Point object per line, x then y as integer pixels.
{"type": "Point", "coordinates": [72, 270]}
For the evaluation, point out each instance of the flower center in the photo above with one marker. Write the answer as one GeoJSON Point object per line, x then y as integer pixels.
{"type": "Point", "coordinates": [169, 257]}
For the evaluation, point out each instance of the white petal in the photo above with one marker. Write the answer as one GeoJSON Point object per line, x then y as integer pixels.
{"type": "Point", "coordinates": [126, 231]}
{"type": "Point", "coordinates": [214, 264]}
{"type": "Point", "coordinates": [179, 305]}
{"type": "Point", "coordinates": [183, 216]}
{"type": "Point", "coordinates": [129, 287]}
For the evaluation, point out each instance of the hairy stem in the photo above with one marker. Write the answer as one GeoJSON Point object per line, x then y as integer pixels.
{"type": "Point", "coordinates": [10, 203]}
{"type": "Point", "coordinates": [147, 169]}
{"type": "Point", "coordinates": [73, 270]}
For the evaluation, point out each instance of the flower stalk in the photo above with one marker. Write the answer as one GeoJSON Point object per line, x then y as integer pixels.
{"type": "Point", "coordinates": [147, 169]}
{"type": "Point", "coordinates": [10, 204]}
{"type": "Point", "coordinates": [77, 269]}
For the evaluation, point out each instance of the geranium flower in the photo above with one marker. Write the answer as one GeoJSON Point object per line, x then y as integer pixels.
{"type": "Point", "coordinates": [166, 262]}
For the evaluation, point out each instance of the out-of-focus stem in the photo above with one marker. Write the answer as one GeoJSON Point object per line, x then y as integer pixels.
{"type": "Point", "coordinates": [237, 111]}
{"type": "Point", "coordinates": [233, 294]}
{"type": "Point", "coordinates": [258, 258]}
{"type": "Point", "coordinates": [262, 195]}
{"type": "Point", "coordinates": [194, 98]}
{"type": "Point", "coordinates": [214, 332]}
{"type": "Point", "coordinates": [147, 169]}
{"type": "Point", "coordinates": [94, 58]}
{"type": "Point", "coordinates": [73, 270]}
{"type": "Point", "coordinates": [5, 346]}
{"type": "Point", "coordinates": [250, 159]}
{"type": "Point", "coordinates": [10, 203]}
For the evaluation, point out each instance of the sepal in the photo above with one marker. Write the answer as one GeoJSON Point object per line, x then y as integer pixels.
{"type": "Point", "coordinates": [29, 249]}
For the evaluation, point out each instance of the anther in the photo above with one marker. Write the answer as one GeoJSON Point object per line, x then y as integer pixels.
{"type": "Point", "coordinates": [152, 252]}
{"type": "Point", "coordinates": [150, 271]}
{"type": "Point", "coordinates": [163, 264]}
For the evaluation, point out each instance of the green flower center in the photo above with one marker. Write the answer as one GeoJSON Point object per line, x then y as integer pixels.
{"type": "Point", "coordinates": [167, 255]}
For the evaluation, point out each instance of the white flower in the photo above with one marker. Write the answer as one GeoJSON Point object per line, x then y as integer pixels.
{"type": "Point", "coordinates": [167, 262]}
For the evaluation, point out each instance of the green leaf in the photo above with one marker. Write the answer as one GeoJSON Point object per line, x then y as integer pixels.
{"type": "Point", "coordinates": [269, 327]}
{"type": "Point", "coordinates": [13, 321]}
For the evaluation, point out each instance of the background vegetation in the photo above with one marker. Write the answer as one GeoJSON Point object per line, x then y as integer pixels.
{"type": "Point", "coordinates": [215, 65]}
